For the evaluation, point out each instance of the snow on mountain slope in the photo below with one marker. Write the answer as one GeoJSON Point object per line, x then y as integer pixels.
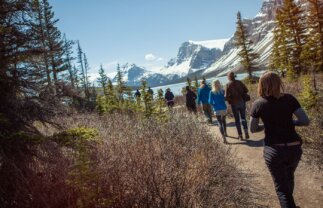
{"type": "Point", "coordinates": [260, 32]}
{"type": "Point", "coordinates": [211, 43]}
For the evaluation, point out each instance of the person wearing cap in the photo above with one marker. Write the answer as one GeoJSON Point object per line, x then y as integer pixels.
{"type": "Point", "coordinates": [282, 148]}
{"type": "Point", "coordinates": [203, 98]}
{"type": "Point", "coordinates": [234, 94]}
{"type": "Point", "coordinates": [169, 96]}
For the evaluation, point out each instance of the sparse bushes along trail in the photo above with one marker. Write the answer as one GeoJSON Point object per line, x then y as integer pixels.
{"type": "Point", "coordinates": [118, 160]}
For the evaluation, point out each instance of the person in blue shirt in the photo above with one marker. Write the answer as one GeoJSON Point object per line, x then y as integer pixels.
{"type": "Point", "coordinates": [203, 98]}
{"type": "Point", "coordinates": [217, 100]}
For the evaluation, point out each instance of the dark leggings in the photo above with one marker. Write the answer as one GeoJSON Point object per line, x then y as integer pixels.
{"type": "Point", "coordinates": [222, 124]}
{"type": "Point", "coordinates": [282, 163]}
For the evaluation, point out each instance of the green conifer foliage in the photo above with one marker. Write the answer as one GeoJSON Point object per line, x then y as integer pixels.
{"type": "Point", "coordinates": [103, 80]}
{"type": "Point", "coordinates": [147, 99]}
{"type": "Point", "coordinates": [312, 52]}
{"type": "Point", "coordinates": [161, 109]}
{"type": "Point", "coordinates": [290, 19]}
{"type": "Point", "coordinates": [308, 97]}
{"type": "Point", "coordinates": [246, 53]}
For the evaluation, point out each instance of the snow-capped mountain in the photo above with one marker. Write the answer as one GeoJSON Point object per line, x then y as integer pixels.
{"type": "Point", "coordinates": [133, 74]}
{"type": "Point", "coordinates": [214, 57]}
{"type": "Point", "coordinates": [260, 31]}
{"type": "Point", "coordinates": [194, 56]}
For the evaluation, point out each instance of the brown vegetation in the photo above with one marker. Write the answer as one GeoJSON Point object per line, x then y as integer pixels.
{"type": "Point", "coordinates": [129, 163]}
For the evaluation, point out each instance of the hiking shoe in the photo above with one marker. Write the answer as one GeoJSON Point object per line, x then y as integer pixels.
{"type": "Point", "coordinates": [240, 137]}
{"type": "Point", "coordinates": [247, 135]}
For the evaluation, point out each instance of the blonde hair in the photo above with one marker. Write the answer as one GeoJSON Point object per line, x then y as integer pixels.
{"type": "Point", "coordinates": [216, 86]}
{"type": "Point", "coordinates": [269, 85]}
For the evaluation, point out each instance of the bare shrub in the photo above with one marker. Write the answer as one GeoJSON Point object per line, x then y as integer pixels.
{"type": "Point", "coordinates": [145, 163]}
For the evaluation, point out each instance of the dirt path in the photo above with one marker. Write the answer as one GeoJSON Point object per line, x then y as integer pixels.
{"type": "Point", "coordinates": [308, 186]}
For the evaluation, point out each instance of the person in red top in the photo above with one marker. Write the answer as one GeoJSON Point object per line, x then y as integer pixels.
{"type": "Point", "coordinates": [282, 150]}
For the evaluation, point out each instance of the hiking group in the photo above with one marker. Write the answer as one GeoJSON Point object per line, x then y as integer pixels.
{"type": "Point", "coordinates": [282, 145]}
{"type": "Point", "coordinates": [215, 97]}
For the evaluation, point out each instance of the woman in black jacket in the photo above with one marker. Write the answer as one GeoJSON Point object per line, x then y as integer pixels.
{"type": "Point", "coordinates": [282, 150]}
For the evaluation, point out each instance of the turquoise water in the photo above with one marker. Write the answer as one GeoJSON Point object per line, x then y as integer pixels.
{"type": "Point", "coordinates": [177, 88]}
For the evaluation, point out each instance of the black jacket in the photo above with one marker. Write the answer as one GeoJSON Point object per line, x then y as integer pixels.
{"type": "Point", "coordinates": [190, 98]}
{"type": "Point", "coordinates": [169, 96]}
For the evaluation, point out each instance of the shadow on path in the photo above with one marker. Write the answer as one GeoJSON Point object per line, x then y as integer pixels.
{"type": "Point", "coordinates": [250, 143]}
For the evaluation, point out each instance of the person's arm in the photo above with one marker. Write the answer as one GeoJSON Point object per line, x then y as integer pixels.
{"type": "Point", "coordinates": [255, 126]}
{"type": "Point", "coordinates": [227, 94]}
{"type": "Point", "coordinates": [302, 118]}
{"type": "Point", "coordinates": [199, 96]}
{"type": "Point", "coordinates": [210, 98]}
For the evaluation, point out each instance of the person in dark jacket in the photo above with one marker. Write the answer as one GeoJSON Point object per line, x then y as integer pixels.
{"type": "Point", "coordinates": [150, 92]}
{"type": "Point", "coordinates": [137, 94]}
{"type": "Point", "coordinates": [282, 150]}
{"type": "Point", "coordinates": [190, 100]}
{"type": "Point", "coordinates": [203, 98]}
{"type": "Point", "coordinates": [169, 96]}
{"type": "Point", "coordinates": [234, 94]}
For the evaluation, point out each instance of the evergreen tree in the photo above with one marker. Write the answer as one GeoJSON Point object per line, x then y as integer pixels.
{"type": "Point", "coordinates": [246, 53]}
{"type": "Point", "coordinates": [161, 110]}
{"type": "Point", "coordinates": [103, 80]}
{"type": "Point", "coordinates": [68, 60]}
{"type": "Point", "coordinates": [54, 42]}
{"type": "Point", "coordinates": [111, 98]}
{"type": "Point", "coordinates": [312, 53]}
{"type": "Point", "coordinates": [121, 85]}
{"type": "Point", "coordinates": [85, 75]}
{"type": "Point", "coordinates": [291, 19]}
{"type": "Point", "coordinates": [39, 33]}
{"type": "Point", "coordinates": [196, 84]}
{"type": "Point", "coordinates": [75, 75]}
{"type": "Point", "coordinates": [189, 82]}
{"type": "Point", "coordinates": [279, 60]}
{"type": "Point", "coordinates": [147, 99]}
{"type": "Point", "coordinates": [82, 70]}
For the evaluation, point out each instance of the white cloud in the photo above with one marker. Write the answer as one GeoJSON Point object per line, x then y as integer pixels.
{"type": "Point", "coordinates": [150, 57]}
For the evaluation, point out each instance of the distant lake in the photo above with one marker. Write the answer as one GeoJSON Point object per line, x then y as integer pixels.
{"type": "Point", "coordinates": [177, 88]}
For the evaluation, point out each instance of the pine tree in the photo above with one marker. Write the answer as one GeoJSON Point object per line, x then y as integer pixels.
{"type": "Point", "coordinates": [85, 75]}
{"type": "Point", "coordinates": [82, 70]}
{"type": "Point", "coordinates": [196, 84]}
{"type": "Point", "coordinates": [189, 82]}
{"type": "Point", "coordinates": [147, 99]}
{"type": "Point", "coordinates": [68, 60]}
{"type": "Point", "coordinates": [161, 110]}
{"type": "Point", "coordinates": [54, 41]}
{"type": "Point", "coordinates": [103, 80]}
{"type": "Point", "coordinates": [39, 33]}
{"type": "Point", "coordinates": [279, 60]}
{"type": "Point", "coordinates": [111, 98]}
{"type": "Point", "coordinates": [246, 53]}
{"type": "Point", "coordinates": [121, 85]}
{"type": "Point", "coordinates": [291, 18]}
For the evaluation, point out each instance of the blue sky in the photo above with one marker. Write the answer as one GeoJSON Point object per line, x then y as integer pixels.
{"type": "Point", "coordinates": [145, 32]}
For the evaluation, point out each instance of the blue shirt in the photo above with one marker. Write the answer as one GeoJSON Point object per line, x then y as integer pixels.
{"type": "Point", "coordinates": [217, 100]}
{"type": "Point", "coordinates": [203, 95]}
